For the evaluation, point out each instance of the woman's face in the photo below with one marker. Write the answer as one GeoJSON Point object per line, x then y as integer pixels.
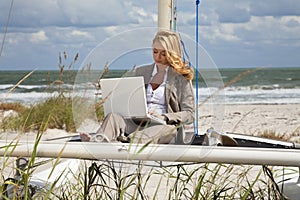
{"type": "Point", "coordinates": [159, 54]}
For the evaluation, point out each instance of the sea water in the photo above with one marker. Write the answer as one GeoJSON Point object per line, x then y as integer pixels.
{"type": "Point", "coordinates": [234, 85]}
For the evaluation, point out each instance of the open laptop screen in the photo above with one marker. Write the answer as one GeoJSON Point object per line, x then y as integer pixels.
{"type": "Point", "coordinates": [125, 96]}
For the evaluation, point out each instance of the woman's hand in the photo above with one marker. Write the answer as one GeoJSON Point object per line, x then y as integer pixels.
{"type": "Point", "coordinates": [157, 115]}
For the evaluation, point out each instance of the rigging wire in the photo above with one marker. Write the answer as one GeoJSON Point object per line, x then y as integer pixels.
{"type": "Point", "coordinates": [197, 61]}
{"type": "Point", "coordinates": [6, 27]}
{"type": "Point", "coordinates": [174, 15]}
{"type": "Point", "coordinates": [185, 55]}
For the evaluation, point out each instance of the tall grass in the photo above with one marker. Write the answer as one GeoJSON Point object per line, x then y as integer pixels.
{"type": "Point", "coordinates": [114, 180]}
{"type": "Point", "coordinates": [111, 179]}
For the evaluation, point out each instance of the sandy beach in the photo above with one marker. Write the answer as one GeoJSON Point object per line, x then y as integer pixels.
{"type": "Point", "coordinates": [282, 119]}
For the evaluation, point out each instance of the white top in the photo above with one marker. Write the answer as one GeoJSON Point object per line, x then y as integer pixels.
{"type": "Point", "coordinates": [156, 98]}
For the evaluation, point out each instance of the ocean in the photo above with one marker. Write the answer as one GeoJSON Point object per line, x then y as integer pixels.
{"type": "Point", "coordinates": [264, 86]}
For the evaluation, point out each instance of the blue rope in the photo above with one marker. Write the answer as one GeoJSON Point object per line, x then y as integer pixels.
{"type": "Point", "coordinates": [197, 77]}
{"type": "Point", "coordinates": [187, 59]}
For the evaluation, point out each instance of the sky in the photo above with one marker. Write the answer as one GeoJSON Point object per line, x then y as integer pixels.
{"type": "Point", "coordinates": [234, 33]}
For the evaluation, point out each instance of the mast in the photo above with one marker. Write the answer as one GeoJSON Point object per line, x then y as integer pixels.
{"type": "Point", "coordinates": [164, 20]}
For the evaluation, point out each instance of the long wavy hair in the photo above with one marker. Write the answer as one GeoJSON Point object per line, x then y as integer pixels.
{"type": "Point", "coordinates": [171, 43]}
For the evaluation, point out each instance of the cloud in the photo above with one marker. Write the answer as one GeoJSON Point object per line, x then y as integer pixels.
{"type": "Point", "coordinates": [227, 28]}
{"type": "Point", "coordinates": [292, 22]}
{"type": "Point", "coordinates": [95, 12]}
{"type": "Point", "coordinates": [231, 11]}
{"type": "Point", "coordinates": [39, 36]}
{"type": "Point", "coordinates": [33, 13]}
{"type": "Point", "coordinates": [275, 8]}
{"type": "Point", "coordinates": [63, 13]}
{"type": "Point", "coordinates": [80, 33]}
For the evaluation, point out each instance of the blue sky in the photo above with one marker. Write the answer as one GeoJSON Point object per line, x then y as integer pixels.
{"type": "Point", "coordinates": [235, 33]}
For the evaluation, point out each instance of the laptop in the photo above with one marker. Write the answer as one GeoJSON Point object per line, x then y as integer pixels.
{"type": "Point", "coordinates": [127, 97]}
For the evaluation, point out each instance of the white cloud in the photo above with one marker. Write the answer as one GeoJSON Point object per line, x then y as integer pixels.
{"type": "Point", "coordinates": [291, 21]}
{"type": "Point", "coordinates": [39, 36]}
{"type": "Point", "coordinates": [111, 30]}
{"type": "Point", "coordinates": [80, 33]}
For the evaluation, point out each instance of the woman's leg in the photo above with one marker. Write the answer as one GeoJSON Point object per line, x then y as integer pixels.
{"type": "Point", "coordinates": [157, 134]}
{"type": "Point", "coordinates": [113, 126]}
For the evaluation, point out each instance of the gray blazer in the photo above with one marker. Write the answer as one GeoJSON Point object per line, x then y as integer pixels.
{"type": "Point", "coordinates": [180, 98]}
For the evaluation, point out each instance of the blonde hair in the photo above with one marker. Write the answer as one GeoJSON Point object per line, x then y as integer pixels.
{"type": "Point", "coordinates": [171, 43]}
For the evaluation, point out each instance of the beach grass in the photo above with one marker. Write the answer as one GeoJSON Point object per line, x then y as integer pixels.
{"type": "Point", "coordinates": [17, 107]}
{"type": "Point", "coordinates": [111, 179]}
{"type": "Point", "coordinates": [272, 134]}
{"type": "Point", "coordinates": [57, 111]}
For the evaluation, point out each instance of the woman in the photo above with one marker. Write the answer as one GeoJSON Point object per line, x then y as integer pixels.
{"type": "Point", "coordinates": [169, 96]}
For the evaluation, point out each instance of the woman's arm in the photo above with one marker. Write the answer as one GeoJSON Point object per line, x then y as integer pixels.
{"type": "Point", "coordinates": [184, 111]}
